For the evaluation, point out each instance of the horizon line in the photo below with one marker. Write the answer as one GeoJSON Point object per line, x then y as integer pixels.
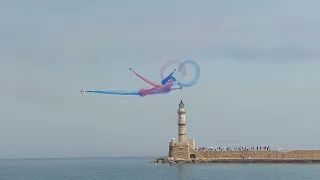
{"type": "Point", "coordinates": [76, 157]}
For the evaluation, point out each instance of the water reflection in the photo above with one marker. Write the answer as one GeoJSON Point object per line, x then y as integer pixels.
{"type": "Point", "coordinates": [181, 172]}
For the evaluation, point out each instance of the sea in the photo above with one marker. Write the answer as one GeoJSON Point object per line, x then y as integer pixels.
{"type": "Point", "coordinates": [140, 168]}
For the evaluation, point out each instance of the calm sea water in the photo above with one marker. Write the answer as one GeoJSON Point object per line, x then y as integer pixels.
{"type": "Point", "coordinates": [141, 169]}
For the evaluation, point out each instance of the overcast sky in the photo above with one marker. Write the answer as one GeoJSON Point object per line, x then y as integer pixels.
{"type": "Point", "coordinates": [259, 81]}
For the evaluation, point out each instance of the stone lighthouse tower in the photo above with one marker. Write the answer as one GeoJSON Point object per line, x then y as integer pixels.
{"type": "Point", "coordinates": [184, 148]}
{"type": "Point", "coordinates": [182, 123]}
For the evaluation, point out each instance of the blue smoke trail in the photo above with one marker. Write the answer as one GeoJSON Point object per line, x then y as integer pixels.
{"type": "Point", "coordinates": [196, 76]}
{"type": "Point", "coordinates": [116, 92]}
{"type": "Point", "coordinates": [152, 91]}
{"type": "Point", "coordinates": [165, 80]}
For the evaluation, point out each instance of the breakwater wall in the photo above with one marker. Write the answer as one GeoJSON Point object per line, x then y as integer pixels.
{"type": "Point", "coordinates": [260, 161]}
{"type": "Point", "coordinates": [295, 154]}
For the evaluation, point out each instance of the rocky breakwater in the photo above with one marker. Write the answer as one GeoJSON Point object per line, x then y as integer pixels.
{"type": "Point", "coordinates": [177, 160]}
{"type": "Point", "coordinates": [238, 160]}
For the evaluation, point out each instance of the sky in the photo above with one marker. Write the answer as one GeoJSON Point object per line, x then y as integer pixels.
{"type": "Point", "coordinates": [259, 82]}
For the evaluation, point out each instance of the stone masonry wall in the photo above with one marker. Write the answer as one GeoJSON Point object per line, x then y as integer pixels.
{"type": "Point", "coordinates": [181, 151]}
{"type": "Point", "coordinates": [297, 154]}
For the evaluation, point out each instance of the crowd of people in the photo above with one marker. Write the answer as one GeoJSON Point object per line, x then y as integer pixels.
{"type": "Point", "coordinates": [241, 148]}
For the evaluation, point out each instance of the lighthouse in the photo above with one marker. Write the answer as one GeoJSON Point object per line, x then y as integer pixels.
{"type": "Point", "coordinates": [181, 123]}
{"type": "Point", "coordinates": [184, 148]}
